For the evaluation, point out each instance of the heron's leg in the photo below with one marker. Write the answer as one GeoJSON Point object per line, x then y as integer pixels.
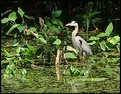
{"type": "Point", "coordinates": [83, 54]}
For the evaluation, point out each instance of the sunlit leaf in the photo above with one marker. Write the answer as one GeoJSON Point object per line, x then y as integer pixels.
{"type": "Point", "coordinates": [109, 29]}
{"type": "Point", "coordinates": [57, 42]}
{"type": "Point", "coordinates": [70, 55]}
{"type": "Point", "coordinates": [94, 38]}
{"type": "Point", "coordinates": [102, 45]}
{"type": "Point", "coordinates": [21, 27]}
{"type": "Point", "coordinates": [13, 27]}
{"type": "Point", "coordinates": [21, 12]}
{"type": "Point", "coordinates": [4, 20]}
{"type": "Point", "coordinates": [102, 35]}
{"type": "Point", "coordinates": [69, 48]}
{"type": "Point", "coordinates": [92, 43]}
{"type": "Point", "coordinates": [32, 29]}
{"type": "Point", "coordinates": [12, 16]}
{"type": "Point", "coordinates": [114, 40]}
{"type": "Point", "coordinates": [42, 40]}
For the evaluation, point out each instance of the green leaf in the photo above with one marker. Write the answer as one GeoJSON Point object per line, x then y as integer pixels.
{"type": "Point", "coordinates": [70, 55]}
{"type": "Point", "coordinates": [94, 38]}
{"type": "Point", "coordinates": [55, 21]}
{"type": "Point", "coordinates": [102, 35]}
{"type": "Point", "coordinates": [12, 16]}
{"type": "Point", "coordinates": [13, 27]}
{"type": "Point", "coordinates": [21, 27]}
{"type": "Point", "coordinates": [57, 42]}
{"type": "Point", "coordinates": [29, 17]}
{"type": "Point", "coordinates": [4, 20]}
{"type": "Point", "coordinates": [114, 40]}
{"type": "Point", "coordinates": [93, 13]}
{"type": "Point", "coordinates": [48, 24]}
{"type": "Point", "coordinates": [61, 23]}
{"type": "Point", "coordinates": [109, 29]}
{"type": "Point", "coordinates": [92, 43]}
{"type": "Point", "coordinates": [33, 29]}
{"type": "Point", "coordinates": [102, 45]}
{"type": "Point", "coordinates": [69, 48]}
{"type": "Point", "coordinates": [21, 12]}
{"type": "Point", "coordinates": [55, 29]}
{"type": "Point", "coordinates": [42, 40]}
{"type": "Point", "coordinates": [57, 13]}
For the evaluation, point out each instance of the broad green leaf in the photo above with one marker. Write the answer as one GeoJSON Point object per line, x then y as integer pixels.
{"type": "Point", "coordinates": [55, 29]}
{"type": "Point", "coordinates": [94, 38]}
{"type": "Point", "coordinates": [55, 21]}
{"type": "Point", "coordinates": [61, 23]}
{"type": "Point", "coordinates": [57, 42]}
{"type": "Point", "coordinates": [109, 29]}
{"type": "Point", "coordinates": [48, 24]}
{"type": "Point", "coordinates": [102, 45]}
{"type": "Point", "coordinates": [69, 55]}
{"type": "Point", "coordinates": [13, 27]}
{"type": "Point", "coordinates": [4, 20]}
{"type": "Point", "coordinates": [29, 17]}
{"type": "Point", "coordinates": [32, 29]}
{"type": "Point", "coordinates": [21, 12]}
{"type": "Point", "coordinates": [114, 40]}
{"type": "Point", "coordinates": [12, 16]}
{"type": "Point", "coordinates": [102, 35]}
{"type": "Point", "coordinates": [42, 40]}
{"type": "Point", "coordinates": [21, 27]}
{"type": "Point", "coordinates": [69, 48]}
{"type": "Point", "coordinates": [108, 45]}
{"type": "Point", "coordinates": [57, 13]}
{"type": "Point", "coordinates": [92, 43]}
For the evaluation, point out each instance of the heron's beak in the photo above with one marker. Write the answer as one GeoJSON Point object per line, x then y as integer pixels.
{"type": "Point", "coordinates": [68, 24]}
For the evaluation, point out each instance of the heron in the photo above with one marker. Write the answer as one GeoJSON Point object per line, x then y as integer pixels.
{"type": "Point", "coordinates": [78, 42]}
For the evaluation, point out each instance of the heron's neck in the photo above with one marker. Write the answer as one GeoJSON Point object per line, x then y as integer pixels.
{"type": "Point", "coordinates": [75, 32]}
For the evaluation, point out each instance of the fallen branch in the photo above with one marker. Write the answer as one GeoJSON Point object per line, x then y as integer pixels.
{"type": "Point", "coordinates": [57, 64]}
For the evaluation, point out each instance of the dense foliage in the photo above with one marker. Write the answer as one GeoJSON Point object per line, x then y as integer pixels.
{"type": "Point", "coordinates": [27, 43]}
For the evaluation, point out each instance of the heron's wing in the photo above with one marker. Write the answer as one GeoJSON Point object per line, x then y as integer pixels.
{"type": "Point", "coordinates": [85, 47]}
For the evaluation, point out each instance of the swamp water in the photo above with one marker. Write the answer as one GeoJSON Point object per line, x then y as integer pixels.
{"type": "Point", "coordinates": [44, 80]}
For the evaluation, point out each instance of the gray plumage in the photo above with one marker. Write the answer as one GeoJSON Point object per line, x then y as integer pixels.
{"type": "Point", "coordinates": [78, 42]}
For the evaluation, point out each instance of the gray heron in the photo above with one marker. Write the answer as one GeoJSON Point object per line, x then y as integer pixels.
{"type": "Point", "coordinates": [78, 42]}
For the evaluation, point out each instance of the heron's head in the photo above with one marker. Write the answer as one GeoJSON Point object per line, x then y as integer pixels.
{"type": "Point", "coordinates": [73, 23]}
